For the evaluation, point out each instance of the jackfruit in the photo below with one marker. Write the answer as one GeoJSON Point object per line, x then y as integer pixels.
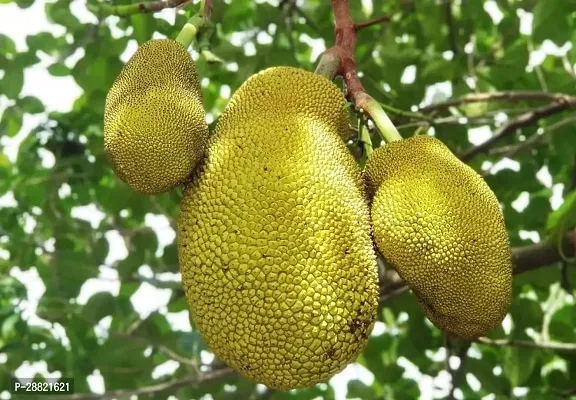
{"type": "Point", "coordinates": [274, 238]}
{"type": "Point", "coordinates": [436, 221]}
{"type": "Point", "coordinates": [155, 131]}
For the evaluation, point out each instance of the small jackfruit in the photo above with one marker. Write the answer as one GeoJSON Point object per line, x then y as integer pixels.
{"type": "Point", "coordinates": [436, 221]}
{"type": "Point", "coordinates": [155, 131]}
{"type": "Point", "coordinates": [274, 238]}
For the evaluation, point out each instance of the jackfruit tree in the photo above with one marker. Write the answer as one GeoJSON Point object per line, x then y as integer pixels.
{"type": "Point", "coordinates": [289, 199]}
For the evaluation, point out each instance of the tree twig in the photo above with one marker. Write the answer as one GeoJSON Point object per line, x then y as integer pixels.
{"type": "Point", "coordinates": [554, 346]}
{"type": "Point", "coordinates": [170, 386]}
{"type": "Point", "coordinates": [524, 259]}
{"type": "Point", "coordinates": [523, 120]}
{"type": "Point", "coordinates": [533, 141]}
{"type": "Point", "coordinates": [143, 7]}
{"type": "Point", "coordinates": [361, 25]}
{"type": "Point", "coordinates": [508, 96]}
{"type": "Point", "coordinates": [564, 392]}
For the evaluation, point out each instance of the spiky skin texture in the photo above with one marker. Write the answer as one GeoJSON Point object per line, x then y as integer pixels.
{"type": "Point", "coordinates": [274, 235]}
{"type": "Point", "coordinates": [155, 131]}
{"type": "Point", "coordinates": [436, 221]}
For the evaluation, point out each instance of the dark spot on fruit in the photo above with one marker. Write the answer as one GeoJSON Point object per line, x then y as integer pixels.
{"type": "Point", "coordinates": [224, 268]}
{"type": "Point", "coordinates": [184, 245]}
{"type": "Point", "coordinates": [120, 133]}
{"type": "Point", "coordinates": [236, 231]}
{"type": "Point", "coordinates": [240, 147]}
{"type": "Point", "coordinates": [265, 168]}
{"type": "Point", "coordinates": [346, 251]}
{"type": "Point", "coordinates": [240, 288]}
{"type": "Point", "coordinates": [362, 302]}
{"type": "Point", "coordinates": [330, 353]}
{"type": "Point", "coordinates": [354, 325]}
{"type": "Point", "coordinates": [279, 177]}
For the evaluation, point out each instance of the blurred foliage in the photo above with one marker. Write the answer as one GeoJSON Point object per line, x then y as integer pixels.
{"type": "Point", "coordinates": [467, 49]}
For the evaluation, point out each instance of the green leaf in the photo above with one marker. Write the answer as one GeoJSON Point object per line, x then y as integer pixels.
{"type": "Point", "coordinates": [12, 82]}
{"type": "Point", "coordinates": [24, 3]}
{"type": "Point", "coordinates": [563, 325]}
{"type": "Point", "coordinates": [358, 389]}
{"type": "Point", "coordinates": [59, 13]}
{"type": "Point", "coordinates": [518, 364]}
{"type": "Point", "coordinates": [9, 327]}
{"type": "Point", "coordinates": [30, 105]}
{"type": "Point", "coordinates": [59, 70]}
{"type": "Point", "coordinates": [100, 305]}
{"type": "Point", "coordinates": [7, 45]}
{"type": "Point", "coordinates": [553, 20]}
{"type": "Point", "coordinates": [563, 219]}
{"type": "Point", "coordinates": [53, 309]}
{"type": "Point", "coordinates": [11, 121]}
{"type": "Point", "coordinates": [44, 41]}
{"type": "Point", "coordinates": [144, 26]}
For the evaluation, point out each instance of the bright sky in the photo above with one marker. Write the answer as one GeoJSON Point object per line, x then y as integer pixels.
{"type": "Point", "coordinates": [59, 93]}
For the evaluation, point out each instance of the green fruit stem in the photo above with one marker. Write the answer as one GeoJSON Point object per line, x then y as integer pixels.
{"type": "Point", "coordinates": [328, 66]}
{"type": "Point", "coordinates": [366, 143]}
{"type": "Point", "coordinates": [190, 29]}
{"type": "Point", "coordinates": [385, 126]}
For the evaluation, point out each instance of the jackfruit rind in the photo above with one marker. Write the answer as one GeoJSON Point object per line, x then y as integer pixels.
{"type": "Point", "coordinates": [436, 221]}
{"type": "Point", "coordinates": [157, 62]}
{"type": "Point", "coordinates": [155, 131]}
{"type": "Point", "coordinates": [323, 101]}
{"type": "Point", "coordinates": [274, 236]}
{"type": "Point", "coordinates": [155, 138]}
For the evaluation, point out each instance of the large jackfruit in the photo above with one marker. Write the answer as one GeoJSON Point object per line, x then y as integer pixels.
{"type": "Point", "coordinates": [274, 235]}
{"type": "Point", "coordinates": [155, 131]}
{"type": "Point", "coordinates": [439, 225]}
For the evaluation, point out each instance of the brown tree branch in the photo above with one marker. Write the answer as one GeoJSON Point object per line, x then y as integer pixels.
{"type": "Point", "coordinates": [340, 60]}
{"type": "Point", "coordinates": [509, 96]}
{"type": "Point", "coordinates": [170, 386]}
{"type": "Point", "coordinates": [523, 120]}
{"type": "Point", "coordinates": [524, 259]}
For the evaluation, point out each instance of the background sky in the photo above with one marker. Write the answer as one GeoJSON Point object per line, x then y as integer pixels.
{"type": "Point", "coordinates": [59, 93]}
